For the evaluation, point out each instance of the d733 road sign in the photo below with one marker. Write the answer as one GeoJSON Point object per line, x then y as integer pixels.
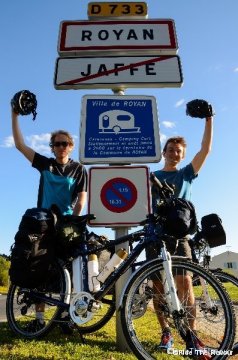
{"type": "Point", "coordinates": [156, 36]}
{"type": "Point", "coordinates": [117, 9]}
{"type": "Point", "coordinates": [117, 72]}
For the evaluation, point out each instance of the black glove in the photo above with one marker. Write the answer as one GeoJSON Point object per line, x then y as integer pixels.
{"type": "Point", "coordinates": [24, 103]}
{"type": "Point", "coordinates": [199, 109]}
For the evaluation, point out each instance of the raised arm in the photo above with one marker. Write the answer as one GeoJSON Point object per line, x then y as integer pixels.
{"type": "Point", "coordinates": [28, 152]}
{"type": "Point", "coordinates": [206, 146]}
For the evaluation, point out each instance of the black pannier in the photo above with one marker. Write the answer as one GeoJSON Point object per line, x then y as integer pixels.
{"type": "Point", "coordinates": [69, 235]}
{"type": "Point", "coordinates": [32, 253]}
{"type": "Point", "coordinates": [212, 230]}
{"type": "Point", "coordinates": [178, 218]}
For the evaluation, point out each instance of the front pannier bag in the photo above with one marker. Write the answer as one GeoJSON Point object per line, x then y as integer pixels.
{"type": "Point", "coordinates": [179, 218]}
{"type": "Point", "coordinates": [33, 250]}
{"type": "Point", "coordinates": [212, 230]}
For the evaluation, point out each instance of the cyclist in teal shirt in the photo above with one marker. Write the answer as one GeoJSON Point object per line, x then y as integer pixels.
{"type": "Point", "coordinates": [63, 182]}
{"type": "Point", "coordinates": [182, 179]}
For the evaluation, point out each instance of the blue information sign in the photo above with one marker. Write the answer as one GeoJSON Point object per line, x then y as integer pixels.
{"type": "Point", "coordinates": [116, 129]}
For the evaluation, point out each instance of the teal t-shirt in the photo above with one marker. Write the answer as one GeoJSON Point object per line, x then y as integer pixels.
{"type": "Point", "coordinates": [59, 184]}
{"type": "Point", "coordinates": [182, 179]}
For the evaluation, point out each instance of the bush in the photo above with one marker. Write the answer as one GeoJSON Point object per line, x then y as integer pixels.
{"type": "Point", "coordinates": [4, 267]}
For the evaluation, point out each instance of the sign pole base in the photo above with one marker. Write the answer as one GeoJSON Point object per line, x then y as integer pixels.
{"type": "Point", "coordinates": [120, 339]}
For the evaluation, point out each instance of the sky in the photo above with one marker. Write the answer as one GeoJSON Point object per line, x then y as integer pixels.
{"type": "Point", "coordinates": [207, 38]}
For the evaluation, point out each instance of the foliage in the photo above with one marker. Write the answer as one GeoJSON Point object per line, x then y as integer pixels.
{"type": "Point", "coordinates": [4, 267]}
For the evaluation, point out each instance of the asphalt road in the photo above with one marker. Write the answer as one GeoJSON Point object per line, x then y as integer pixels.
{"type": "Point", "coordinates": [3, 308]}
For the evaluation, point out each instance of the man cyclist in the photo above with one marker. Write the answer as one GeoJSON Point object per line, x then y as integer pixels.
{"type": "Point", "coordinates": [63, 182]}
{"type": "Point", "coordinates": [182, 179]}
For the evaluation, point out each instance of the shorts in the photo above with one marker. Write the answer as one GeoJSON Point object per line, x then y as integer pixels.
{"type": "Point", "coordinates": [180, 247]}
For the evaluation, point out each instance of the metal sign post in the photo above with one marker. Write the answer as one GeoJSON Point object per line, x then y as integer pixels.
{"type": "Point", "coordinates": [118, 48]}
{"type": "Point", "coordinates": [120, 338]}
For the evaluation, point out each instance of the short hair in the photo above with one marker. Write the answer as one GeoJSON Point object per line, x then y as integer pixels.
{"type": "Point", "coordinates": [61, 132]}
{"type": "Point", "coordinates": [175, 140]}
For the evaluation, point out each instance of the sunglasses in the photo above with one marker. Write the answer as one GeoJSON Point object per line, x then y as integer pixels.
{"type": "Point", "coordinates": [61, 143]}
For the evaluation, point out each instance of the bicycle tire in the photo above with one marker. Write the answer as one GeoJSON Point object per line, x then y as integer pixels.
{"type": "Point", "coordinates": [225, 277]}
{"type": "Point", "coordinates": [20, 305]}
{"type": "Point", "coordinates": [230, 282]}
{"type": "Point", "coordinates": [101, 316]}
{"type": "Point", "coordinates": [143, 334]}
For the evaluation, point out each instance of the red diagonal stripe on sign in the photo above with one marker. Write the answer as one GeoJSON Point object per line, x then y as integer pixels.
{"type": "Point", "coordinates": [122, 68]}
{"type": "Point", "coordinates": [118, 194]}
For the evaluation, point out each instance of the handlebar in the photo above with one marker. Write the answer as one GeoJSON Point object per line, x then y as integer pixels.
{"type": "Point", "coordinates": [164, 189]}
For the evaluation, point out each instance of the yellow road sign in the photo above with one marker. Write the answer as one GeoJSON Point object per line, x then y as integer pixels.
{"type": "Point", "coordinates": [117, 9]}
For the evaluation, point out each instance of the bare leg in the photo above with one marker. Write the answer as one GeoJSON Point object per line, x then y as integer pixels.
{"type": "Point", "coordinates": [159, 302]}
{"type": "Point", "coordinates": [186, 297]}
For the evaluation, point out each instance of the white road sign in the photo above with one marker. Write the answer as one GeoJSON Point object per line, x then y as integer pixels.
{"type": "Point", "coordinates": [119, 195]}
{"type": "Point", "coordinates": [118, 72]}
{"type": "Point", "coordinates": [125, 37]}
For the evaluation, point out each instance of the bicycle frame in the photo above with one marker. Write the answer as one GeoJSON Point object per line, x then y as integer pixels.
{"type": "Point", "coordinates": [80, 280]}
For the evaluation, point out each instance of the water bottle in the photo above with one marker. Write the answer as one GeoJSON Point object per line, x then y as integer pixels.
{"type": "Point", "coordinates": [93, 283]}
{"type": "Point", "coordinates": [112, 264]}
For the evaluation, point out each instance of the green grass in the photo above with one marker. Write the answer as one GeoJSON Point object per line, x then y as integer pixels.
{"type": "Point", "coordinates": [232, 291]}
{"type": "Point", "coordinates": [101, 345]}
{"type": "Point", "coordinates": [57, 346]}
{"type": "Point", "coordinates": [3, 290]}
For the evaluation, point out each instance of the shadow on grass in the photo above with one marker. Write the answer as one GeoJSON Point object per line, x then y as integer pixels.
{"type": "Point", "coordinates": [99, 346]}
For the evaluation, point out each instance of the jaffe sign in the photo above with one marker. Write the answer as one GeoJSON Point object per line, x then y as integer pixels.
{"type": "Point", "coordinates": [117, 72]}
{"type": "Point", "coordinates": [124, 36]}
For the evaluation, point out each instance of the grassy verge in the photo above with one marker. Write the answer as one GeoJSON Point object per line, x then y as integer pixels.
{"type": "Point", "coordinates": [57, 346]}
{"type": "Point", "coordinates": [3, 290]}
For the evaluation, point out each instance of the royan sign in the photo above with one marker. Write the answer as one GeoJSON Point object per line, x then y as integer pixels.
{"type": "Point", "coordinates": [125, 37]}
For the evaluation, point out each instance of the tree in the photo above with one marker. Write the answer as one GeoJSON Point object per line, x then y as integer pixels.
{"type": "Point", "coordinates": [4, 268]}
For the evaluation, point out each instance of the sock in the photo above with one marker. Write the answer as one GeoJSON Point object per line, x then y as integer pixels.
{"type": "Point", "coordinates": [40, 316]}
{"type": "Point", "coordinates": [166, 329]}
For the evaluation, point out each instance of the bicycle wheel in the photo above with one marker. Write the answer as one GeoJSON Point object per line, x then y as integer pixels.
{"type": "Point", "coordinates": [214, 322]}
{"type": "Point", "coordinates": [230, 283]}
{"type": "Point", "coordinates": [20, 305]}
{"type": "Point", "coordinates": [101, 316]}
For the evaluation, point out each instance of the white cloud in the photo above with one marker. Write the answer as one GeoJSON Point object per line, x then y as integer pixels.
{"type": "Point", "coordinates": [179, 103]}
{"type": "Point", "coordinates": [40, 143]}
{"type": "Point", "coordinates": [236, 69]}
{"type": "Point", "coordinates": [8, 142]}
{"type": "Point", "coordinates": [163, 138]}
{"type": "Point", "coordinates": [168, 124]}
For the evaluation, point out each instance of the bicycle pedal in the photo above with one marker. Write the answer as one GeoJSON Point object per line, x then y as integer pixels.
{"type": "Point", "coordinates": [96, 306]}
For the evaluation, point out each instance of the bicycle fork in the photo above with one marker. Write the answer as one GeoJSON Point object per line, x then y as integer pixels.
{"type": "Point", "coordinates": [170, 290]}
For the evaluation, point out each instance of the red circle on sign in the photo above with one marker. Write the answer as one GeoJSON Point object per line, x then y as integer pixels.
{"type": "Point", "coordinates": [118, 195]}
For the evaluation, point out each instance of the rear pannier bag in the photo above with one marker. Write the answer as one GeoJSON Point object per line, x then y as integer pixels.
{"type": "Point", "coordinates": [212, 230]}
{"type": "Point", "coordinates": [33, 250]}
